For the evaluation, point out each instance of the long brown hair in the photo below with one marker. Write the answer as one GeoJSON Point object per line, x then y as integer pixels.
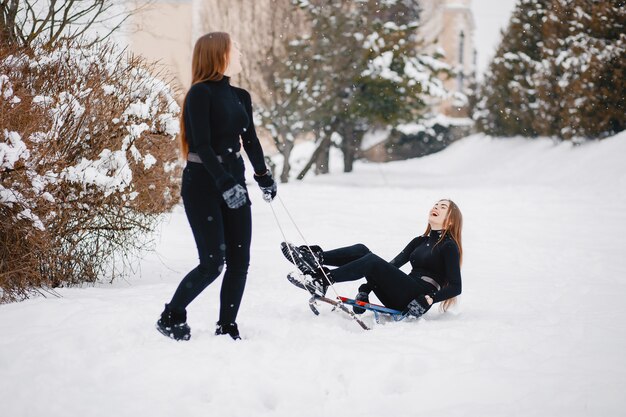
{"type": "Point", "coordinates": [209, 62]}
{"type": "Point", "coordinates": [452, 226]}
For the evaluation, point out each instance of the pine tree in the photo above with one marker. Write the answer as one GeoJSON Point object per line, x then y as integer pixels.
{"type": "Point", "coordinates": [567, 80]}
{"type": "Point", "coordinates": [508, 93]}
{"type": "Point", "coordinates": [359, 67]}
{"type": "Point", "coordinates": [586, 52]}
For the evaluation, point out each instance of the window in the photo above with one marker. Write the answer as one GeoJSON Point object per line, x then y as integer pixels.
{"type": "Point", "coordinates": [459, 77]}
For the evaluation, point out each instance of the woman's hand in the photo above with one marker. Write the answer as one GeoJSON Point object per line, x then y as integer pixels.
{"type": "Point", "coordinates": [418, 307]}
{"type": "Point", "coordinates": [267, 185]}
{"type": "Point", "coordinates": [234, 194]}
{"type": "Point", "coordinates": [429, 300]}
{"type": "Point", "coordinates": [235, 197]}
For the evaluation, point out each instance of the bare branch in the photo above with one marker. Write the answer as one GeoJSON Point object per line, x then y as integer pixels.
{"type": "Point", "coordinates": [27, 21]}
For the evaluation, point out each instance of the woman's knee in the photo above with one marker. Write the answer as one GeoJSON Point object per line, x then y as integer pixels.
{"type": "Point", "coordinates": [361, 249]}
{"type": "Point", "coordinates": [238, 259]}
{"type": "Point", "coordinates": [372, 257]}
{"type": "Point", "coordinates": [211, 269]}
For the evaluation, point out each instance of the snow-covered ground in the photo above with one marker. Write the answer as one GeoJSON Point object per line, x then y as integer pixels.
{"type": "Point", "coordinates": [539, 330]}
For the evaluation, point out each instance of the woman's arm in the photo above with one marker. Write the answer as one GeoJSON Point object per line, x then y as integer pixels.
{"type": "Point", "coordinates": [250, 140]}
{"type": "Point", "coordinates": [452, 267]}
{"type": "Point", "coordinates": [403, 257]}
{"type": "Point", "coordinates": [197, 110]}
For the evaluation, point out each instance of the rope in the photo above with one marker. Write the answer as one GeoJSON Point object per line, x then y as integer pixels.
{"type": "Point", "coordinates": [326, 277]}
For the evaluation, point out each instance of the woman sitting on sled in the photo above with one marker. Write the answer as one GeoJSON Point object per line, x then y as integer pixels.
{"type": "Point", "coordinates": [435, 258]}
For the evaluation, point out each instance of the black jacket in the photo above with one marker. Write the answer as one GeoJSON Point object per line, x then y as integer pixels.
{"type": "Point", "coordinates": [216, 116]}
{"type": "Point", "coordinates": [440, 261]}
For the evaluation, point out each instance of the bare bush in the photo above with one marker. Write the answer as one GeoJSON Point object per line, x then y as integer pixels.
{"type": "Point", "coordinates": [88, 162]}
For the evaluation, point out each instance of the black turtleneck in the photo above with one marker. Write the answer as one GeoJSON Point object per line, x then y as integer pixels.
{"type": "Point", "coordinates": [439, 261]}
{"type": "Point", "coordinates": [216, 116]}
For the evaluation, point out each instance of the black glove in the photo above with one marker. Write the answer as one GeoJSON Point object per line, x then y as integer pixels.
{"type": "Point", "coordinates": [417, 307]}
{"type": "Point", "coordinates": [234, 194]}
{"type": "Point", "coordinates": [267, 185]}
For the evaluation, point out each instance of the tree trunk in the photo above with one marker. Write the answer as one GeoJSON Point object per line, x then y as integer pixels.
{"type": "Point", "coordinates": [285, 150]}
{"type": "Point", "coordinates": [347, 147]}
{"type": "Point", "coordinates": [8, 13]}
{"type": "Point", "coordinates": [351, 145]}
{"type": "Point", "coordinates": [323, 158]}
{"type": "Point", "coordinates": [325, 143]}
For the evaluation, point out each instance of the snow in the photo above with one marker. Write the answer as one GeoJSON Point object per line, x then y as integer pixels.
{"type": "Point", "coordinates": [110, 172]}
{"type": "Point", "coordinates": [381, 66]}
{"type": "Point", "coordinates": [374, 137]}
{"type": "Point", "coordinates": [428, 123]}
{"type": "Point", "coordinates": [12, 150]}
{"type": "Point", "coordinates": [538, 332]}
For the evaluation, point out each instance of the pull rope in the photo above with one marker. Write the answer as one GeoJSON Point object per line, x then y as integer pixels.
{"type": "Point", "coordinates": [326, 277]}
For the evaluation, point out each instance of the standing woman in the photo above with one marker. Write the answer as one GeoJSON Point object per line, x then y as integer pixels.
{"type": "Point", "coordinates": [216, 118]}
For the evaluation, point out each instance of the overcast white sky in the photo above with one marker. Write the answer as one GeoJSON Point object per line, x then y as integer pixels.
{"type": "Point", "coordinates": [490, 16]}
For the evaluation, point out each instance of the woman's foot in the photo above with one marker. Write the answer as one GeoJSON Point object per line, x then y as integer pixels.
{"type": "Point", "coordinates": [229, 329]}
{"type": "Point", "coordinates": [317, 285]}
{"type": "Point", "coordinates": [173, 324]}
{"type": "Point", "coordinates": [361, 296]}
{"type": "Point", "coordinates": [308, 259]}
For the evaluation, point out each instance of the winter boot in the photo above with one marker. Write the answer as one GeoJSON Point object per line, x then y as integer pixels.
{"type": "Point", "coordinates": [361, 296]}
{"type": "Point", "coordinates": [173, 324]}
{"type": "Point", "coordinates": [307, 261]}
{"type": "Point", "coordinates": [229, 329]}
{"type": "Point", "coordinates": [317, 284]}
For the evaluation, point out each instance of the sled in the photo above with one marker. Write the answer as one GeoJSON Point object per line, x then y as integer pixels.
{"type": "Point", "coordinates": [377, 309]}
{"type": "Point", "coordinates": [342, 302]}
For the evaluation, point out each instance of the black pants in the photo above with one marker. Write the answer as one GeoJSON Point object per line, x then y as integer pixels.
{"type": "Point", "coordinates": [394, 288]}
{"type": "Point", "coordinates": [222, 235]}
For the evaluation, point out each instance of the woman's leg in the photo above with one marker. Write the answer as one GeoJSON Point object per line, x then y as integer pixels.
{"type": "Point", "coordinates": [394, 288]}
{"type": "Point", "coordinates": [238, 232]}
{"type": "Point", "coordinates": [342, 256]}
{"type": "Point", "coordinates": [205, 218]}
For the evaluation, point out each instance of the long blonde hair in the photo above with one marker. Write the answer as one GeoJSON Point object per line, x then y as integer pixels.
{"type": "Point", "coordinates": [208, 63]}
{"type": "Point", "coordinates": [452, 226]}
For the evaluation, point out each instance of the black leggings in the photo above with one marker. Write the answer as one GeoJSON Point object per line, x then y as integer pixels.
{"type": "Point", "coordinates": [221, 235]}
{"type": "Point", "coordinates": [394, 288]}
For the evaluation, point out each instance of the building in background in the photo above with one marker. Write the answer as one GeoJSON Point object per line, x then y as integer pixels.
{"type": "Point", "coordinates": [162, 31]}
{"type": "Point", "coordinates": [165, 31]}
{"type": "Point", "coordinates": [449, 25]}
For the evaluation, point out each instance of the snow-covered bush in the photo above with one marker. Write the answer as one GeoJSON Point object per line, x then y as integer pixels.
{"type": "Point", "coordinates": [87, 162]}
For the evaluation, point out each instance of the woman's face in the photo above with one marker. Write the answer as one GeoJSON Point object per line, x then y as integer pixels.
{"type": "Point", "coordinates": [234, 60]}
{"type": "Point", "coordinates": [438, 214]}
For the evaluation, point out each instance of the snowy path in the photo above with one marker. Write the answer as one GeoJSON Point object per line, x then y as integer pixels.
{"type": "Point", "coordinates": [539, 330]}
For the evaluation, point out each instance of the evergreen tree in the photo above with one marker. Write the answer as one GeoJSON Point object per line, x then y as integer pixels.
{"type": "Point", "coordinates": [567, 80]}
{"type": "Point", "coordinates": [508, 93]}
{"type": "Point", "coordinates": [585, 48]}
{"type": "Point", "coordinates": [360, 66]}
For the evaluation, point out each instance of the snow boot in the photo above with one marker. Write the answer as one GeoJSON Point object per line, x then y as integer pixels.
{"type": "Point", "coordinates": [317, 284]}
{"type": "Point", "coordinates": [302, 257]}
{"type": "Point", "coordinates": [361, 296]}
{"type": "Point", "coordinates": [173, 324]}
{"type": "Point", "coordinates": [229, 329]}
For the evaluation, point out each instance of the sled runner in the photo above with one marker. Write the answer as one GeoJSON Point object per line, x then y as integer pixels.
{"type": "Point", "coordinates": [296, 278]}
{"type": "Point", "coordinates": [336, 304]}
